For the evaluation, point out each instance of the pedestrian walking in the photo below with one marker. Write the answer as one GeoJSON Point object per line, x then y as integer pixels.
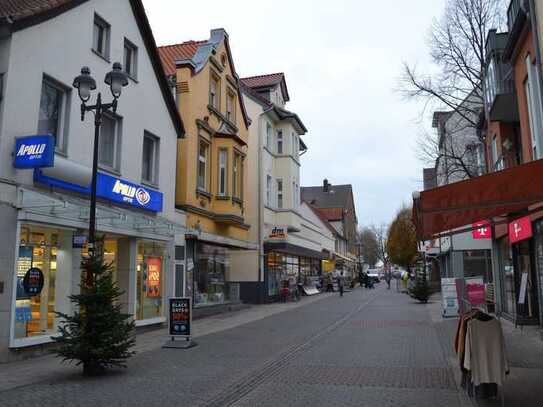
{"type": "Point", "coordinates": [388, 278]}
{"type": "Point", "coordinates": [341, 283]}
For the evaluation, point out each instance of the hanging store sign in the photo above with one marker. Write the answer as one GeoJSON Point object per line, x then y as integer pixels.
{"type": "Point", "coordinates": [33, 281]}
{"type": "Point", "coordinates": [520, 229]}
{"type": "Point", "coordinates": [112, 189]}
{"type": "Point", "coordinates": [481, 230]}
{"type": "Point", "coordinates": [278, 233]}
{"type": "Point", "coordinates": [34, 151]}
{"type": "Point", "coordinates": [180, 316]}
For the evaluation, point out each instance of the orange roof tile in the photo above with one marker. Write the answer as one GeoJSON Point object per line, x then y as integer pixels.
{"type": "Point", "coordinates": [263, 80]}
{"type": "Point", "coordinates": [171, 53]}
{"type": "Point", "coordinates": [331, 213]}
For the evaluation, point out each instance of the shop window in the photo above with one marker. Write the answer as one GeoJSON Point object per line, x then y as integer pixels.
{"type": "Point", "coordinates": [35, 312]}
{"type": "Point", "coordinates": [213, 265]}
{"type": "Point", "coordinates": [149, 269]}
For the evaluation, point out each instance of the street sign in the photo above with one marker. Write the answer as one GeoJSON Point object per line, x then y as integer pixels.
{"type": "Point", "coordinates": [180, 316]}
{"type": "Point", "coordinates": [34, 151]}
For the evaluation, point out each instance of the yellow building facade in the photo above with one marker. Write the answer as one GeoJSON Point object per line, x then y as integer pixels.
{"type": "Point", "coordinates": [211, 165]}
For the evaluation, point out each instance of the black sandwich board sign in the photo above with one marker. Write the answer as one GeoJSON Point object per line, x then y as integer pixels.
{"type": "Point", "coordinates": [180, 323]}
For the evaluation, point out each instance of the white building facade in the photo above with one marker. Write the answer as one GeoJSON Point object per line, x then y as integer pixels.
{"type": "Point", "coordinates": [44, 211]}
{"type": "Point", "coordinates": [292, 240]}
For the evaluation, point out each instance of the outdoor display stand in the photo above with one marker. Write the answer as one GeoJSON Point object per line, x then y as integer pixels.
{"type": "Point", "coordinates": [479, 344]}
{"type": "Point", "coordinates": [180, 324]}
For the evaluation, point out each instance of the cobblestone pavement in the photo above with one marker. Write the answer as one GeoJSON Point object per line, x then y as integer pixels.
{"type": "Point", "coordinates": [369, 348]}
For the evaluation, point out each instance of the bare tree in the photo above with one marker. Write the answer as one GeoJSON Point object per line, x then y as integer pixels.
{"type": "Point", "coordinates": [457, 47]}
{"type": "Point", "coordinates": [381, 234]}
{"type": "Point", "coordinates": [368, 246]}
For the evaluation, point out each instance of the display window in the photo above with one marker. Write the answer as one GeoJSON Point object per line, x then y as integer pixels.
{"type": "Point", "coordinates": [36, 282]}
{"type": "Point", "coordinates": [149, 269]}
{"type": "Point", "coordinates": [209, 279]}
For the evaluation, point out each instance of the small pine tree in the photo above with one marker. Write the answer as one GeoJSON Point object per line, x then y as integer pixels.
{"type": "Point", "coordinates": [421, 290]}
{"type": "Point", "coordinates": [98, 335]}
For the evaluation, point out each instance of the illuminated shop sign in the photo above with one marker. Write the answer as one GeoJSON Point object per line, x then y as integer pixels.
{"type": "Point", "coordinates": [34, 152]}
{"type": "Point", "coordinates": [520, 229]}
{"type": "Point", "coordinates": [278, 232]}
{"type": "Point", "coordinates": [112, 189]}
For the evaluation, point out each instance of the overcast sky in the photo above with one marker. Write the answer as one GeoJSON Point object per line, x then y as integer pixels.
{"type": "Point", "coordinates": [342, 60]}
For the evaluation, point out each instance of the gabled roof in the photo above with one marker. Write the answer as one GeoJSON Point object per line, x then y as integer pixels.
{"type": "Point", "coordinates": [337, 196]}
{"type": "Point", "coordinates": [20, 14]}
{"type": "Point", "coordinates": [196, 54]}
{"type": "Point", "coordinates": [171, 53]}
{"type": "Point", "coordinates": [322, 218]}
{"type": "Point", "coordinates": [267, 81]}
{"type": "Point", "coordinates": [332, 214]}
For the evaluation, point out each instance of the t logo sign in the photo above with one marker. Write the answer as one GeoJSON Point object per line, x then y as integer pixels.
{"type": "Point", "coordinates": [520, 229]}
{"type": "Point", "coordinates": [481, 230]}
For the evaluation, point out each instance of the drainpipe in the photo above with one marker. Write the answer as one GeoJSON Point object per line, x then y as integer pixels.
{"type": "Point", "coordinates": [261, 262]}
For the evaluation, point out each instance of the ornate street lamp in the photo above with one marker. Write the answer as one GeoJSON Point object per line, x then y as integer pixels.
{"type": "Point", "coordinates": [85, 83]}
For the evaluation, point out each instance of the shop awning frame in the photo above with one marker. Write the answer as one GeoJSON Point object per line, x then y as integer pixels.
{"type": "Point", "coordinates": [456, 205]}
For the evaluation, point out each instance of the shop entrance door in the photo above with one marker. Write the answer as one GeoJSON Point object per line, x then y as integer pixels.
{"type": "Point", "coordinates": [526, 293]}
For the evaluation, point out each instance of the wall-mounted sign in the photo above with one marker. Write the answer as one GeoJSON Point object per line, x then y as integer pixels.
{"type": "Point", "coordinates": [278, 232]}
{"type": "Point", "coordinates": [180, 316]}
{"type": "Point", "coordinates": [112, 189]}
{"type": "Point", "coordinates": [33, 281]}
{"type": "Point", "coordinates": [481, 230]}
{"type": "Point", "coordinates": [79, 241]}
{"type": "Point", "coordinates": [154, 269]}
{"type": "Point", "coordinates": [520, 229]}
{"type": "Point", "coordinates": [34, 151]}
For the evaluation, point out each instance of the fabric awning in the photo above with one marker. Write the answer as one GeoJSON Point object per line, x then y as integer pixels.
{"type": "Point", "coordinates": [463, 203]}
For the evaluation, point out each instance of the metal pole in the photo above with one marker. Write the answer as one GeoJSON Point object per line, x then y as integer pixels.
{"type": "Point", "coordinates": [92, 217]}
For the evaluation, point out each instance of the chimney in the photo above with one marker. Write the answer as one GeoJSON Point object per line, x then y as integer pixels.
{"type": "Point", "coordinates": [325, 185]}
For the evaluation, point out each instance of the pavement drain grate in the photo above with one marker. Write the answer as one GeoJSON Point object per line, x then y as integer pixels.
{"type": "Point", "coordinates": [397, 377]}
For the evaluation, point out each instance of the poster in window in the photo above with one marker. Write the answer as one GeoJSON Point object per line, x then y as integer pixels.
{"type": "Point", "coordinates": [154, 271]}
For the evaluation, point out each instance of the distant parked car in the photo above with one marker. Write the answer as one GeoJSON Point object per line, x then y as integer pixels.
{"type": "Point", "coordinates": [373, 274]}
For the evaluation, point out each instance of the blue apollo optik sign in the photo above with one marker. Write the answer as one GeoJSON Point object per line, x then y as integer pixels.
{"type": "Point", "coordinates": [112, 189]}
{"type": "Point", "coordinates": [34, 151]}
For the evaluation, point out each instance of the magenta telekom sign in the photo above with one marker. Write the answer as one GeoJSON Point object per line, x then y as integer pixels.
{"type": "Point", "coordinates": [520, 229]}
{"type": "Point", "coordinates": [481, 230]}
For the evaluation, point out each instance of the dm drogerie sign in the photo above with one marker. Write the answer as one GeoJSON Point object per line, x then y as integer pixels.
{"type": "Point", "coordinates": [34, 151]}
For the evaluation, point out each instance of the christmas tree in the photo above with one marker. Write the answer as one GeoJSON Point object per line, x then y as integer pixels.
{"type": "Point", "coordinates": [98, 335]}
{"type": "Point", "coordinates": [420, 290]}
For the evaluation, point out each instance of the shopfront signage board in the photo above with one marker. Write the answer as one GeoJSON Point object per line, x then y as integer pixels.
{"type": "Point", "coordinates": [79, 241]}
{"type": "Point", "coordinates": [154, 270]}
{"type": "Point", "coordinates": [34, 151]}
{"type": "Point", "coordinates": [481, 230]}
{"type": "Point", "coordinates": [113, 189]}
{"type": "Point", "coordinates": [520, 229]}
{"type": "Point", "coordinates": [33, 281]}
{"type": "Point", "coordinates": [278, 233]}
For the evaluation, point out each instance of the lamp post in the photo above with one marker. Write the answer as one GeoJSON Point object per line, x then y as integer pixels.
{"type": "Point", "coordinates": [85, 83]}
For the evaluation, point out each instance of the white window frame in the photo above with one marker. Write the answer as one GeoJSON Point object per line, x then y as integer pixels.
{"type": "Point", "coordinates": [533, 101]}
{"type": "Point", "coordinates": [117, 139]}
{"type": "Point", "coordinates": [155, 159]}
{"type": "Point", "coordinates": [280, 200]}
{"type": "Point", "coordinates": [106, 40]}
{"type": "Point", "coordinates": [202, 159]}
{"type": "Point", "coordinates": [269, 130]}
{"type": "Point", "coordinates": [61, 136]}
{"type": "Point", "coordinates": [223, 172]}
{"type": "Point", "coordinates": [280, 146]}
{"type": "Point", "coordinates": [230, 106]}
{"type": "Point", "coordinates": [129, 45]}
{"type": "Point", "coordinates": [215, 90]}
{"type": "Point", "coordinates": [269, 181]}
